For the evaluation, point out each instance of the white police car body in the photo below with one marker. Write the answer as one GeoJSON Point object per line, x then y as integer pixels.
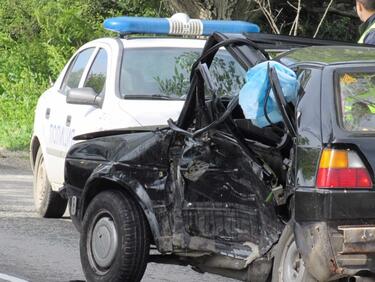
{"type": "Point", "coordinates": [114, 83]}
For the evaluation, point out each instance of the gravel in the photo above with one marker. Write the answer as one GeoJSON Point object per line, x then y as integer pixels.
{"type": "Point", "coordinates": [14, 161]}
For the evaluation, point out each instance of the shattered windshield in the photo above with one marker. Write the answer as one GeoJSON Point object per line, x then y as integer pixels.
{"type": "Point", "coordinates": [357, 95]}
{"type": "Point", "coordinates": [165, 72]}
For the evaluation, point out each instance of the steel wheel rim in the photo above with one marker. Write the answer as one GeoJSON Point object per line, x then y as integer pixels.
{"type": "Point", "coordinates": [40, 190]}
{"type": "Point", "coordinates": [102, 243]}
{"type": "Point", "coordinates": [292, 266]}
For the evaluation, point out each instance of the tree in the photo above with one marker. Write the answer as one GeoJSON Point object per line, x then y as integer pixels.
{"type": "Point", "coordinates": [36, 39]}
{"type": "Point", "coordinates": [302, 17]}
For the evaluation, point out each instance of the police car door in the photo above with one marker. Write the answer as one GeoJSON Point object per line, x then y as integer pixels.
{"type": "Point", "coordinates": [83, 118]}
{"type": "Point", "coordinates": [89, 118]}
{"type": "Point", "coordinates": [87, 69]}
{"type": "Point", "coordinates": [58, 132]}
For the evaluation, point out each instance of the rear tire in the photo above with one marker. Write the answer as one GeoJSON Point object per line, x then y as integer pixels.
{"type": "Point", "coordinates": [48, 203]}
{"type": "Point", "coordinates": [115, 239]}
{"type": "Point", "coordinates": [288, 265]}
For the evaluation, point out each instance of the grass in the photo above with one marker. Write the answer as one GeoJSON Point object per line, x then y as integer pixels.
{"type": "Point", "coordinates": [15, 136]}
{"type": "Point", "coordinates": [16, 122]}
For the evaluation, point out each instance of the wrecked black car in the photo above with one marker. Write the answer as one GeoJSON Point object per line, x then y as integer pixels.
{"type": "Point", "coordinates": [291, 201]}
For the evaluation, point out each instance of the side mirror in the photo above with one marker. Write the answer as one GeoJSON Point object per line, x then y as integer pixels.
{"type": "Point", "coordinates": [84, 96]}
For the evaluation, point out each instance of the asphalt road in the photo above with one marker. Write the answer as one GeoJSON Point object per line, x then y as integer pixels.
{"type": "Point", "coordinates": [36, 249]}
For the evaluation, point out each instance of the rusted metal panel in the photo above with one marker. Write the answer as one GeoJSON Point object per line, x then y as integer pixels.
{"type": "Point", "coordinates": [358, 239]}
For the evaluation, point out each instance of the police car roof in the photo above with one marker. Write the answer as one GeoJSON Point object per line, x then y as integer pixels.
{"type": "Point", "coordinates": [163, 42]}
{"type": "Point", "coordinates": [328, 55]}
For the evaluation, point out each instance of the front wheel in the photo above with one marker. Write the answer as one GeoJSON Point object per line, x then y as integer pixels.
{"type": "Point", "coordinates": [115, 239]}
{"type": "Point", "coordinates": [48, 203]}
{"type": "Point", "coordinates": [288, 265]}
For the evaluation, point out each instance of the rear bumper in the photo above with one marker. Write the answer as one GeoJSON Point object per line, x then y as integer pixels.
{"type": "Point", "coordinates": [329, 252]}
{"type": "Point", "coordinates": [335, 232]}
{"type": "Point", "coordinates": [317, 205]}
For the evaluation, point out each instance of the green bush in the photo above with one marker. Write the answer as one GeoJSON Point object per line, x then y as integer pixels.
{"type": "Point", "coordinates": [37, 37]}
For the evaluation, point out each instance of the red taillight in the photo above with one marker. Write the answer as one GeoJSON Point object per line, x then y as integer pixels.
{"type": "Point", "coordinates": [343, 178]}
{"type": "Point", "coordinates": [342, 169]}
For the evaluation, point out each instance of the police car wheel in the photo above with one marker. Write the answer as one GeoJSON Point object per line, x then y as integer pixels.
{"type": "Point", "coordinates": [115, 239]}
{"type": "Point", "coordinates": [48, 203]}
{"type": "Point", "coordinates": [288, 265]}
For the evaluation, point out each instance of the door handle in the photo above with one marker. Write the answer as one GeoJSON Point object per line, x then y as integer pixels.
{"type": "Point", "coordinates": [68, 120]}
{"type": "Point", "coordinates": [48, 113]}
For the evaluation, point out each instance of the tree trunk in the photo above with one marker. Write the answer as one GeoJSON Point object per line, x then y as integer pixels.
{"type": "Point", "coordinates": [214, 9]}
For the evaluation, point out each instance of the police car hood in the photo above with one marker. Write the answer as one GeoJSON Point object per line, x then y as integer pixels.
{"type": "Point", "coordinates": [119, 131]}
{"type": "Point", "coordinates": [152, 112]}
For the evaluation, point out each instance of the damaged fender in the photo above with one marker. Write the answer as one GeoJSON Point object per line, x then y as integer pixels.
{"type": "Point", "coordinates": [108, 174]}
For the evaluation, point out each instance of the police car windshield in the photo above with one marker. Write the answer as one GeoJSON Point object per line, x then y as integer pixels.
{"type": "Point", "coordinates": [357, 95]}
{"type": "Point", "coordinates": [163, 73]}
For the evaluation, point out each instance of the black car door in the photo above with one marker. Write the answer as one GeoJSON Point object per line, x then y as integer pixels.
{"type": "Point", "coordinates": [222, 184]}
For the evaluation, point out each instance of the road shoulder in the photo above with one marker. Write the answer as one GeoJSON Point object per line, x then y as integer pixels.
{"type": "Point", "coordinates": [14, 162]}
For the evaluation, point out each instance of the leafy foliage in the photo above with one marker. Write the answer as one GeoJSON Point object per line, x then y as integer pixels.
{"type": "Point", "coordinates": [227, 77]}
{"type": "Point", "coordinates": [37, 37]}
{"type": "Point", "coordinates": [178, 84]}
{"type": "Point", "coordinates": [96, 82]}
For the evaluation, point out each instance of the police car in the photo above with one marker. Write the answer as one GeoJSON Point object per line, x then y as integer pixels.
{"type": "Point", "coordinates": [121, 82]}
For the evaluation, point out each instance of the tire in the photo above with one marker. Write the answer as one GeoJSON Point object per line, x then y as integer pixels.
{"type": "Point", "coordinates": [288, 265]}
{"type": "Point", "coordinates": [48, 203]}
{"type": "Point", "coordinates": [115, 239]}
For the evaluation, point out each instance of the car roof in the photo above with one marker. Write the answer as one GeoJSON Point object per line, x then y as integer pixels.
{"type": "Point", "coordinates": [328, 55]}
{"type": "Point", "coordinates": [147, 42]}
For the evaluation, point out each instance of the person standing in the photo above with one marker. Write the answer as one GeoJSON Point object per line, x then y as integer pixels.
{"type": "Point", "coordinates": [366, 12]}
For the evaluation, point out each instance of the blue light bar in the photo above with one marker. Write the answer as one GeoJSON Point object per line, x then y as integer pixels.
{"type": "Point", "coordinates": [179, 24]}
